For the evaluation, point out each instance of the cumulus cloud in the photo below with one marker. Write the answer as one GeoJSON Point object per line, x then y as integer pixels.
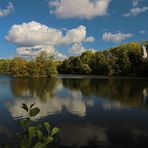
{"type": "Point", "coordinates": [135, 11]}
{"type": "Point", "coordinates": [78, 49]}
{"type": "Point", "coordinates": [90, 39]}
{"type": "Point", "coordinates": [33, 33]}
{"type": "Point", "coordinates": [84, 9]}
{"type": "Point", "coordinates": [136, 2]}
{"type": "Point", "coordinates": [59, 56]}
{"type": "Point", "coordinates": [116, 37]}
{"type": "Point", "coordinates": [35, 50]}
{"type": "Point", "coordinates": [75, 35]}
{"type": "Point", "coordinates": [8, 10]}
{"type": "Point", "coordinates": [142, 31]}
{"type": "Point", "coordinates": [33, 37]}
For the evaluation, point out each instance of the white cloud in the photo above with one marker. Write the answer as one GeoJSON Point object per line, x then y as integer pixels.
{"type": "Point", "coordinates": [33, 33]}
{"type": "Point", "coordinates": [84, 9]}
{"type": "Point", "coordinates": [136, 2]}
{"type": "Point", "coordinates": [78, 49]}
{"type": "Point", "coordinates": [75, 35]}
{"type": "Point", "coordinates": [142, 31]}
{"type": "Point", "coordinates": [34, 50]}
{"type": "Point", "coordinates": [33, 37]}
{"type": "Point", "coordinates": [90, 39]}
{"type": "Point", "coordinates": [8, 10]}
{"type": "Point", "coordinates": [135, 11]}
{"type": "Point", "coordinates": [59, 56]}
{"type": "Point", "coordinates": [116, 37]}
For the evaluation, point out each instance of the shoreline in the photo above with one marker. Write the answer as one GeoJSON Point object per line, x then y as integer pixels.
{"type": "Point", "coordinates": [72, 76]}
{"type": "Point", "coordinates": [78, 76]}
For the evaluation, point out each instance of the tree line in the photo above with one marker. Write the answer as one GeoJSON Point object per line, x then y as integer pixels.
{"type": "Point", "coordinates": [42, 66]}
{"type": "Point", "coordinates": [125, 60]}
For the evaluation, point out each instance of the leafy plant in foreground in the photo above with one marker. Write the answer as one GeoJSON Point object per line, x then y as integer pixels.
{"type": "Point", "coordinates": [33, 136]}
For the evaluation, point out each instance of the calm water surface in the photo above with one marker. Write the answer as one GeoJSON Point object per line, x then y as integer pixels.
{"type": "Point", "coordinates": [91, 112]}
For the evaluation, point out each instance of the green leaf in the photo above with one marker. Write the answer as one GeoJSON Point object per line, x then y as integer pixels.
{"type": "Point", "coordinates": [39, 145]}
{"type": "Point", "coordinates": [46, 124]}
{"type": "Point", "coordinates": [48, 140]}
{"type": "Point", "coordinates": [55, 130]}
{"type": "Point", "coordinates": [25, 107]}
{"type": "Point", "coordinates": [24, 123]}
{"type": "Point", "coordinates": [39, 135]}
{"type": "Point", "coordinates": [31, 131]}
{"type": "Point", "coordinates": [34, 111]}
{"type": "Point", "coordinates": [32, 105]}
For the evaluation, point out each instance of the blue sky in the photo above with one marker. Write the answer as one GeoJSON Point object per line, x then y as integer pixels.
{"type": "Point", "coordinates": [69, 27]}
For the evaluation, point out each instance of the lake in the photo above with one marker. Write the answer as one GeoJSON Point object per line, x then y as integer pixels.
{"type": "Point", "coordinates": [90, 111]}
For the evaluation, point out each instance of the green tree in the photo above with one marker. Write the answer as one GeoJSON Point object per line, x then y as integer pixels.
{"type": "Point", "coordinates": [86, 57]}
{"type": "Point", "coordinates": [135, 54]}
{"type": "Point", "coordinates": [5, 66]}
{"type": "Point", "coordinates": [19, 68]}
{"type": "Point", "coordinates": [99, 64]}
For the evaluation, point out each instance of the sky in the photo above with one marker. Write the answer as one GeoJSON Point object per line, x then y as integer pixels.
{"type": "Point", "coordinates": [65, 28]}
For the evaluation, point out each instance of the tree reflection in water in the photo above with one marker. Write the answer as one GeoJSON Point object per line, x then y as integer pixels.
{"type": "Point", "coordinates": [126, 91]}
{"type": "Point", "coordinates": [130, 92]}
{"type": "Point", "coordinates": [90, 112]}
{"type": "Point", "coordinates": [41, 88]}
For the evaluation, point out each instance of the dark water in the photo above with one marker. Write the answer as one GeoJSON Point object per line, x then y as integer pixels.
{"type": "Point", "coordinates": [91, 112]}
